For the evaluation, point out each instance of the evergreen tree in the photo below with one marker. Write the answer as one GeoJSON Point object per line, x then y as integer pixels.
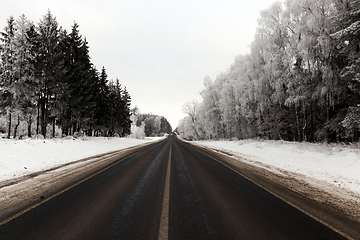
{"type": "Point", "coordinates": [346, 60]}
{"type": "Point", "coordinates": [7, 80]}
{"type": "Point", "coordinates": [77, 66]}
{"type": "Point", "coordinates": [25, 72]}
{"type": "Point", "coordinates": [125, 110]}
{"type": "Point", "coordinates": [119, 110]}
{"type": "Point", "coordinates": [47, 72]}
{"type": "Point", "coordinates": [50, 70]}
{"type": "Point", "coordinates": [102, 109]}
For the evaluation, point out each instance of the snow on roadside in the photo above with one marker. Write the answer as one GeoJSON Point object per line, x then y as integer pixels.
{"type": "Point", "coordinates": [334, 163]}
{"type": "Point", "coordinates": [22, 157]}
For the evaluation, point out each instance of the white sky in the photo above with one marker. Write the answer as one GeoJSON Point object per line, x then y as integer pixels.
{"type": "Point", "coordinates": [161, 50]}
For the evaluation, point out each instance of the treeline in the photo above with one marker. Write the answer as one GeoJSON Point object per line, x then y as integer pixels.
{"type": "Point", "coordinates": [149, 125]}
{"type": "Point", "coordinates": [154, 125]}
{"type": "Point", "coordinates": [48, 82]}
{"type": "Point", "coordinates": [300, 82]}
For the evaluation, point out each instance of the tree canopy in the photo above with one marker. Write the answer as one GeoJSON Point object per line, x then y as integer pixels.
{"type": "Point", "coordinates": [300, 81]}
{"type": "Point", "coordinates": [48, 83]}
{"type": "Point", "coordinates": [152, 125]}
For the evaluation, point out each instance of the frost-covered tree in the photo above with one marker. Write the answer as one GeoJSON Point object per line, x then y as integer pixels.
{"type": "Point", "coordinates": [8, 80]}
{"type": "Point", "coordinates": [299, 82]}
{"type": "Point", "coordinates": [153, 125]}
{"type": "Point", "coordinates": [27, 83]}
{"type": "Point", "coordinates": [346, 38]}
{"type": "Point", "coordinates": [191, 123]}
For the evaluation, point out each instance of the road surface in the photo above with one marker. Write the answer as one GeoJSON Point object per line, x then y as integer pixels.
{"type": "Point", "coordinates": [167, 191]}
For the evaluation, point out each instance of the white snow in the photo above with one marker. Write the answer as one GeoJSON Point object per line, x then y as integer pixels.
{"type": "Point", "coordinates": [22, 157]}
{"type": "Point", "coordinates": [337, 164]}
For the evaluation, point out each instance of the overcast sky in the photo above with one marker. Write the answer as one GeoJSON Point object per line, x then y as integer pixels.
{"type": "Point", "coordinates": [161, 50]}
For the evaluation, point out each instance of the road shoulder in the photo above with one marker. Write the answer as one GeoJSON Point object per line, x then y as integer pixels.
{"type": "Point", "coordinates": [337, 209]}
{"type": "Point", "coordinates": [21, 194]}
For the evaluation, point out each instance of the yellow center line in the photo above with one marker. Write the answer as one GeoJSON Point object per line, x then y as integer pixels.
{"type": "Point", "coordinates": [164, 219]}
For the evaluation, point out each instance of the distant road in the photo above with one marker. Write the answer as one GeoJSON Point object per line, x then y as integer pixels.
{"type": "Point", "coordinates": [168, 191]}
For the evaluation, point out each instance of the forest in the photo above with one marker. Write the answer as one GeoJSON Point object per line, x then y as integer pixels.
{"type": "Point", "coordinates": [49, 87]}
{"type": "Point", "coordinates": [300, 80]}
{"type": "Point", "coordinates": [148, 125]}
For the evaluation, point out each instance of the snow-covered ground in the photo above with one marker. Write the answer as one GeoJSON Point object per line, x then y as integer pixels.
{"type": "Point", "coordinates": [336, 164]}
{"type": "Point", "coordinates": [22, 157]}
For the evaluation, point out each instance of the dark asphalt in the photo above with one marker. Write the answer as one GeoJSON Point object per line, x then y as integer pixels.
{"type": "Point", "coordinates": [207, 201]}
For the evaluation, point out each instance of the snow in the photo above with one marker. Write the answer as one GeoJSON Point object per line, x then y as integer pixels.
{"type": "Point", "coordinates": [337, 164]}
{"type": "Point", "coordinates": [22, 157]}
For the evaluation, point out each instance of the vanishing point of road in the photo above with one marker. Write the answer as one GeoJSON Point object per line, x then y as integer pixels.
{"type": "Point", "coordinates": [170, 190]}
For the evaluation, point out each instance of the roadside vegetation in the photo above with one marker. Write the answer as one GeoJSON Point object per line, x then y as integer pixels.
{"type": "Point", "coordinates": [49, 87]}
{"type": "Point", "coordinates": [300, 81]}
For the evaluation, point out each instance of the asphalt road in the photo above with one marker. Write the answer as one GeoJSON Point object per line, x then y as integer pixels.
{"type": "Point", "coordinates": [168, 191]}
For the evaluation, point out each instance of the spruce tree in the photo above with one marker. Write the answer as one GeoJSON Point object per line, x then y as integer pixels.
{"type": "Point", "coordinates": [126, 102]}
{"type": "Point", "coordinates": [78, 76]}
{"type": "Point", "coordinates": [46, 71]}
{"type": "Point", "coordinates": [102, 109]}
{"type": "Point", "coordinates": [50, 69]}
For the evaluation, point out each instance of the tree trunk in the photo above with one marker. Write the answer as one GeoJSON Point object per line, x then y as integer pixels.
{"type": "Point", "coordinates": [327, 117]}
{"type": "Point", "coordinates": [305, 123]}
{"type": "Point", "coordinates": [29, 126]}
{"type": "Point", "coordinates": [38, 117]}
{"type": "Point", "coordinates": [311, 137]}
{"type": "Point", "coordinates": [9, 127]}
{"type": "Point", "coordinates": [298, 124]}
{"type": "Point", "coordinates": [74, 127]}
{"type": "Point", "coordinates": [16, 127]}
{"type": "Point", "coordinates": [44, 116]}
{"type": "Point", "coordinates": [53, 128]}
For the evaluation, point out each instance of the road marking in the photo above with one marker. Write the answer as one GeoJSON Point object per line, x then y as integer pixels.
{"type": "Point", "coordinates": [278, 196]}
{"type": "Point", "coordinates": [164, 219]}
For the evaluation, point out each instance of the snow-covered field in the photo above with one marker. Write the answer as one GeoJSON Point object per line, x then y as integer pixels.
{"type": "Point", "coordinates": [22, 157]}
{"type": "Point", "coordinates": [336, 164]}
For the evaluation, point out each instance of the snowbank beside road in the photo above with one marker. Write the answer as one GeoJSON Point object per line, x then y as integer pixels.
{"type": "Point", "coordinates": [336, 164]}
{"type": "Point", "coordinates": [22, 157]}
